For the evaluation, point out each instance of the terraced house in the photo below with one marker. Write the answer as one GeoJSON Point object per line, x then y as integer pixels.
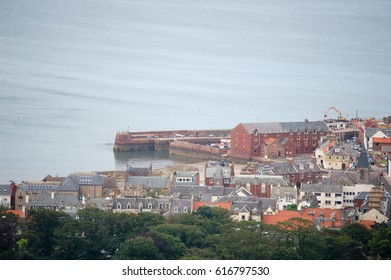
{"type": "Point", "coordinates": [248, 139]}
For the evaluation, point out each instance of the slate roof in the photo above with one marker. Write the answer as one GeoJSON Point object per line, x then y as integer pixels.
{"type": "Point", "coordinates": [339, 151]}
{"type": "Point", "coordinates": [205, 193]}
{"type": "Point", "coordinates": [352, 176]}
{"type": "Point", "coordinates": [369, 132]}
{"type": "Point", "coordinates": [246, 206]}
{"type": "Point", "coordinates": [74, 181]}
{"type": "Point", "coordinates": [285, 168]}
{"type": "Point", "coordinates": [321, 188]}
{"type": "Point", "coordinates": [135, 202]}
{"type": "Point", "coordinates": [59, 200]}
{"type": "Point", "coordinates": [218, 171]}
{"type": "Point", "coordinates": [267, 179]}
{"type": "Point", "coordinates": [151, 182]}
{"type": "Point", "coordinates": [100, 203]}
{"type": "Point", "coordinates": [181, 204]}
{"type": "Point", "coordinates": [261, 205]}
{"type": "Point", "coordinates": [282, 191]}
{"type": "Point", "coordinates": [285, 127]}
{"type": "Point", "coordinates": [229, 190]}
{"type": "Point", "coordinates": [39, 187]}
{"type": "Point", "coordinates": [70, 183]}
{"type": "Point", "coordinates": [361, 195]}
{"type": "Point", "coordinates": [5, 190]}
{"type": "Point", "coordinates": [268, 202]}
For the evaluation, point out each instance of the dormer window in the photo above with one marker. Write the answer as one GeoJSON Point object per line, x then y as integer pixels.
{"type": "Point", "coordinates": [236, 211]}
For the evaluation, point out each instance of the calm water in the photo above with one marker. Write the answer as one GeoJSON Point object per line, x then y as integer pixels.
{"type": "Point", "coordinates": [73, 73]}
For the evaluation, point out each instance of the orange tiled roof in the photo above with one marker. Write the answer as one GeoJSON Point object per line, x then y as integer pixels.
{"type": "Point", "coordinates": [224, 205]}
{"type": "Point", "coordinates": [382, 140]}
{"type": "Point", "coordinates": [326, 148]}
{"type": "Point", "coordinates": [367, 223]}
{"type": "Point", "coordinates": [270, 140]}
{"type": "Point", "coordinates": [17, 212]}
{"type": "Point", "coordinates": [282, 216]}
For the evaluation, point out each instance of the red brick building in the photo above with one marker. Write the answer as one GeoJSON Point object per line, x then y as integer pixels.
{"type": "Point", "coordinates": [382, 145]}
{"type": "Point", "coordinates": [276, 148]}
{"type": "Point", "coordinates": [248, 139]}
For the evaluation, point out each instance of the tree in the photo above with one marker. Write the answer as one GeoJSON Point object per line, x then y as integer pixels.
{"type": "Point", "coordinates": [139, 248]}
{"type": "Point", "coordinates": [336, 245]}
{"type": "Point", "coordinates": [380, 244]}
{"type": "Point", "coordinates": [291, 207]}
{"type": "Point", "coordinates": [190, 235]}
{"type": "Point", "coordinates": [302, 233]}
{"type": "Point", "coordinates": [39, 231]}
{"type": "Point", "coordinates": [359, 233]}
{"type": "Point", "coordinates": [8, 232]}
{"type": "Point", "coordinates": [170, 247]}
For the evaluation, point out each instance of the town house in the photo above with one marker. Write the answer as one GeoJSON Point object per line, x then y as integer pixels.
{"type": "Point", "coordinates": [247, 139]}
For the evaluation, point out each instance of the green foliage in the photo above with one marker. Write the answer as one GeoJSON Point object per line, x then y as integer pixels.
{"type": "Point", "coordinates": [291, 207]}
{"type": "Point", "coordinates": [336, 245]}
{"type": "Point", "coordinates": [380, 244]}
{"type": "Point", "coordinates": [190, 235]}
{"type": "Point", "coordinates": [206, 234]}
{"type": "Point", "coordinates": [8, 233]}
{"type": "Point", "coordinates": [40, 231]}
{"type": "Point", "coordinates": [170, 247]}
{"type": "Point", "coordinates": [139, 248]}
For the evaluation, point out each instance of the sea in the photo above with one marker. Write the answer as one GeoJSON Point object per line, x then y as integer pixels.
{"type": "Point", "coordinates": [74, 73]}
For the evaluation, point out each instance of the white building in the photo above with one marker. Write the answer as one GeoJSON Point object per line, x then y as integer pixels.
{"type": "Point", "coordinates": [5, 196]}
{"type": "Point", "coordinates": [328, 196]}
{"type": "Point", "coordinates": [350, 192]}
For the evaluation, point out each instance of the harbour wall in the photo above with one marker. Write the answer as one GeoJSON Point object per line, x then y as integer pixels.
{"type": "Point", "coordinates": [186, 149]}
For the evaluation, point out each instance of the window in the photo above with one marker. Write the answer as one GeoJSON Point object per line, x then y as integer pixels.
{"type": "Point", "coordinates": [328, 202]}
{"type": "Point", "coordinates": [263, 188]}
{"type": "Point", "coordinates": [149, 205]}
{"type": "Point", "coordinates": [298, 137]}
{"type": "Point", "coordinates": [338, 195]}
{"type": "Point", "coordinates": [175, 209]}
{"type": "Point", "coordinates": [185, 210]}
{"type": "Point", "coordinates": [236, 211]}
{"type": "Point", "coordinates": [118, 205]}
{"type": "Point", "coordinates": [306, 137]}
{"type": "Point", "coordinates": [167, 205]}
{"type": "Point", "coordinates": [306, 143]}
{"type": "Point", "coordinates": [128, 206]}
{"type": "Point", "coordinates": [317, 194]}
{"type": "Point", "coordinates": [298, 143]}
{"type": "Point", "coordinates": [328, 194]}
{"type": "Point", "coordinates": [288, 198]}
{"type": "Point", "coordinates": [85, 180]}
{"type": "Point", "coordinates": [161, 205]}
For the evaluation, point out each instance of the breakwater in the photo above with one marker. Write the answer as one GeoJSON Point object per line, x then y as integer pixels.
{"type": "Point", "coordinates": [160, 140]}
